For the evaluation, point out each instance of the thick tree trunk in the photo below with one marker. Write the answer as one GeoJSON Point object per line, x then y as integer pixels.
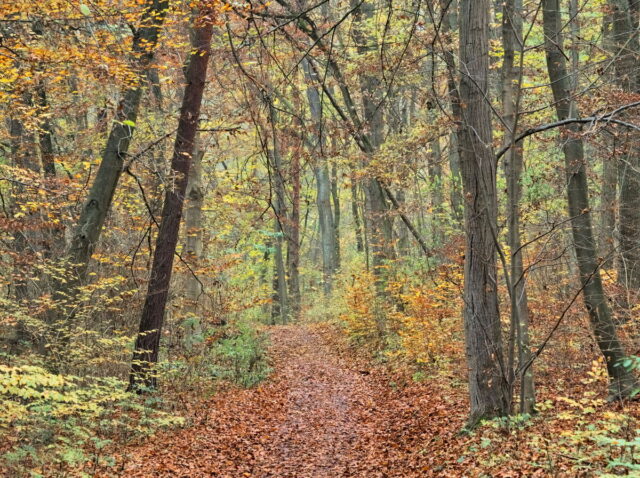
{"type": "Point", "coordinates": [148, 341]}
{"type": "Point", "coordinates": [325, 216]}
{"type": "Point", "coordinates": [511, 36]}
{"type": "Point", "coordinates": [488, 387]}
{"type": "Point", "coordinates": [622, 382]}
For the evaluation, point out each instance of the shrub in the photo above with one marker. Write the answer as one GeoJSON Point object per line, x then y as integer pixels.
{"type": "Point", "coordinates": [52, 422]}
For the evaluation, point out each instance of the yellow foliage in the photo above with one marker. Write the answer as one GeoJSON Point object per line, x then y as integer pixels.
{"type": "Point", "coordinates": [420, 326]}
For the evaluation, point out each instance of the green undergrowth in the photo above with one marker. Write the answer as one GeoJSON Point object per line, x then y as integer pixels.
{"type": "Point", "coordinates": [63, 424]}
{"type": "Point", "coordinates": [51, 422]}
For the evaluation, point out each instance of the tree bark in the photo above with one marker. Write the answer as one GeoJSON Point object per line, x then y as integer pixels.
{"type": "Point", "coordinates": [449, 23]}
{"type": "Point", "coordinates": [488, 387]}
{"type": "Point", "coordinates": [21, 143]}
{"type": "Point", "coordinates": [193, 243]}
{"type": "Point", "coordinates": [280, 310]}
{"type": "Point", "coordinates": [148, 341]}
{"type": "Point", "coordinates": [622, 382]}
{"type": "Point", "coordinates": [626, 61]}
{"type": "Point", "coordinates": [335, 196]}
{"type": "Point", "coordinates": [293, 239]}
{"type": "Point", "coordinates": [437, 192]}
{"type": "Point", "coordinates": [356, 216]}
{"type": "Point", "coordinates": [511, 37]}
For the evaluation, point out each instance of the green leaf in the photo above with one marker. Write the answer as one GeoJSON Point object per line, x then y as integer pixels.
{"type": "Point", "coordinates": [129, 123]}
{"type": "Point", "coordinates": [85, 10]}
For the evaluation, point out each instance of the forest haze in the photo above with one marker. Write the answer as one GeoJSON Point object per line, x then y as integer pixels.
{"type": "Point", "coordinates": [319, 239]}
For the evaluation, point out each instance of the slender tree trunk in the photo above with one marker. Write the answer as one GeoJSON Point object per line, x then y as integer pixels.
{"type": "Point", "coordinates": [437, 193]}
{"type": "Point", "coordinates": [607, 245]}
{"type": "Point", "coordinates": [293, 237]}
{"type": "Point", "coordinates": [326, 218]}
{"type": "Point", "coordinates": [488, 386]}
{"type": "Point", "coordinates": [404, 245]}
{"type": "Point", "coordinates": [626, 61]}
{"type": "Point", "coordinates": [457, 203]}
{"type": "Point", "coordinates": [46, 136]}
{"type": "Point", "coordinates": [21, 144]}
{"type": "Point", "coordinates": [335, 196]}
{"type": "Point", "coordinates": [53, 241]}
{"type": "Point", "coordinates": [378, 220]}
{"type": "Point", "coordinates": [148, 341]}
{"type": "Point", "coordinates": [449, 23]}
{"type": "Point", "coordinates": [609, 202]}
{"type": "Point", "coordinates": [622, 382]}
{"type": "Point", "coordinates": [193, 243]}
{"type": "Point", "coordinates": [94, 212]}
{"type": "Point", "coordinates": [511, 38]}
{"type": "Point", "coordinates": [281, 310]}
{"type": "Point", "coordinates": [355, 212]}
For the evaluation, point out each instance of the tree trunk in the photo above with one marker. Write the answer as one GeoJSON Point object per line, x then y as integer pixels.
{"type": "Point", "coordinates": [280, 310]}
{"type": "Point", "coordinates": [626, 61]}
{"type": "Point", "coordinates": [355, 212]}
{"type": "Point", "coordinates": [335, 196]}
{"type": "Point", "coordinates": [511, 36]}
{"type": "Point", "coordinates": [457, 203]}
{"type": "Point", "coordinates": [21, 144]}
{"type": "Point", "coordinates": [622, 382]}
{"type": "Point", "coordinates": [94, 212]}
{"type": "Point", "coordinates": [488, 387]}
{"type": "Point", "coordinates": [607, 241]}
{"type": "Point", "coordinates": [46, 136]}
{"type": "Point", "coordinates": [326, 218]}
{"type": "Point", "coordinates": [404, 246]}
{"type": "Point", "coordinates": [193, 243]}
{"type": "Point", "coordinates": [148, 341]}
{"type": "Point", "coordinates": [378, 220]}
{"type": "Point", "coordinates": [437, 193]}
{"type": "Point", "coordinates": [293, 239]}
{"type": "Point", "coordinates": [449, 23]}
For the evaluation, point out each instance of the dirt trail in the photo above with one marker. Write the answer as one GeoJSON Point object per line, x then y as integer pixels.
{"type": "Point", "coordinates": [323, 414]}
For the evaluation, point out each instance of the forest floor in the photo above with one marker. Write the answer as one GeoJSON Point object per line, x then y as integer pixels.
{"type": "Point", "coordinates": [327, 412]}
{"type": "Point", "coordinates": [324, 413]}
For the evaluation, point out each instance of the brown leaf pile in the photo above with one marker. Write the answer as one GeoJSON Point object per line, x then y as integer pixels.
{"type": "Point", "coordinates": [323, 414]}
{"type": "Point", "coordinates": [326, 413]}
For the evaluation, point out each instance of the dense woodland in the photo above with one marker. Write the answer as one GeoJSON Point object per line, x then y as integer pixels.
{"type": "Point", "coordinates": [319, 239]}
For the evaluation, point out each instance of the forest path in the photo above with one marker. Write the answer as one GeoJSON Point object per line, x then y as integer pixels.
{"type": "Point", "coordinates": [322, 414]}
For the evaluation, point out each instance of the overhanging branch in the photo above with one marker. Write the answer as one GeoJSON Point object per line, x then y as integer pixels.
{"type": "Point", "coordinates": [605, 118]}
